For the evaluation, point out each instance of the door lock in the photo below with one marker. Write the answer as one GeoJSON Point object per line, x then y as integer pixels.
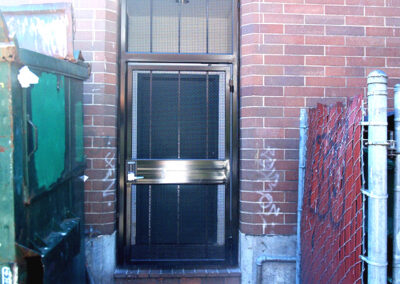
{"type": "Point", "coordinates": [131, 172]}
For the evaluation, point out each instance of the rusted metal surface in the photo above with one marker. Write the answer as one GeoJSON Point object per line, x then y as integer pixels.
{"type": "Point", "coordinates": [332, 220]}
{"type": "Point", "coordinates": [44, 28]}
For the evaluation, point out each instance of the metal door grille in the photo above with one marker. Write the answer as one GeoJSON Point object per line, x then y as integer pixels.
{"type": "Point", "coordinates": [170, 26]}
{"type": "Point", "coordinates": [178, 116]}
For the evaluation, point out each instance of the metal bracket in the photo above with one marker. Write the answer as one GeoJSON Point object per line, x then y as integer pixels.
{"type": "Point", "coordinates": [368, 123]}
{"type": "Point", "coordinates": [378, 143]}
{"type": "Point", "coordinates": [369, 194]}
{"type": "Point", "coordinates": [370, 262]}
{"type": "Point", "coordinates": [377, 93]}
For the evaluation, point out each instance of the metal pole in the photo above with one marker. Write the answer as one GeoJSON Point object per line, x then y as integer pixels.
{"type": "Point", "coordinates": [377, 177]}
{"type": "Point", "coordinates": [396, 214]}
{"type": "Point", "coordinates": [302, 169]}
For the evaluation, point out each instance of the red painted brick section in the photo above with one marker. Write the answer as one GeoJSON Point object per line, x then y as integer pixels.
{"type": "Point", "coordinates": [311, 51]}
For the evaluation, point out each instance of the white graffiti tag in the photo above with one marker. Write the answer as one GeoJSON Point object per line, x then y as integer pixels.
{"type": "Point", "coordinates": [110, 165]}
{"type": "Point", "coordinates": [271, 177]}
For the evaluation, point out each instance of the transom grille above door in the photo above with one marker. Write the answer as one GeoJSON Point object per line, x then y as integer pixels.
{"type": "Point", "coordinates": [178, 167]}
{"type": "Point", "coordinates": [171, 26]}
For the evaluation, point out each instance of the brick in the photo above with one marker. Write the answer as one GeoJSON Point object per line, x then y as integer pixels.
{"type": "Point", "coordinates": [393, 42]}
{"type": "Point", "coordinates": [324, 20]}
{"type": "Point", "coordinates": [280, 229]}
{"type": "Point", "coordinates": [251, 185]}
{"type": "Point", "coordinates": [344, 10]}
{"type": "Point", "coordinates": [263, 132]}
{"type": "Point", "coordinates": [356, 82]}
{"type": "Point", "coordinates": [262, 70]}
{"type": "Point", "coordinates": [291, 112]}
{"type": "Point", "coordinates": [344, 51]}
{"type": "Point", "coordinates": [325, 81]}
{"type": "Point", "coordinates": [382, 11]}
{"type": "Point", "coordinates": [304, 70]}
{"type": "Point", "coordinates": [251, 122]}
{"type": "Point", "coordinates": [101, 229]}
{"type": "Point", "coordinates": [213, 280]}
{"type": "Point", "coordinates": [312, 102]}
{"type": "Point", "coordinates": [365, 61]}
{"type": "Point", "coordinates": [336, 2]}
{"type": "Point", "coordinates": [366, 2]}
{"type": "Point", "coordinates": [284, 81]}
{"type": "Point", "coordinates": [290, 218]}
{"type": "Point", "coordinates": [304, 49]}
{"type": "Point", "coordinates": [303, 9]}
{"type": "Point", "coordinates": [363, 41]}
{"type": "Point", "coordinates": [325, 60]}
{"type": "Point", "coordinates": [283, 39]}
{"type": "Point", "coordinates": [249, 8]}
{"type": "Point", "coordinates": [96, 218]}
{"type": "Point", "coordinates": [325, 40]}
{"type": "Point", "coordinates": [250, 19]}
{"type": "Point", "coordinates": [345, 71]}
{"type": "Point", "coordinates": [392, 22]}
{"type": "Point", "coordinates": [383, 52]}
{"type": "Point", "coordinates": [270, 8]}
{"type": "Point", "coordinates": [343, 92]}
{"type": "Point", "coordinates": [252, 59]}
{"type": "Point", "coordinates": [282, 144]}
{"type": "Point", "coordinates": [250, 39]}
{"type": "Point", "coordinates": [395, 62]}
{"type": "Point", "coordinates": [291, 133]}
{"type": "Point", "coordinates": [281, 122]}
{"type": "Point", "coordinates": [283, 101]}
{"type": "Point", "coordinates": [345, 30]}
{"type": "Point", "coordinates": [262, 49]}
{"type": "Point", "coordinates": [262, 28]}
{"type": "Point", "coordinates": [284, 60]}
{"type": "Point", "coordinates": [283, 19]}
{"type": "Point", "coordinates": [394, 3]}
{"type": "Point", "coordinates": [190, 281]}
{"type": "Point", "coordinates": [258, 218]}
{"type": "Point", "coordinates": [304, 91]}
{"type": "Point", "coordinates": [261, 91]}
{"type": "Point", "coordinates": [291, 154]}
{"type": "Point", "coordinates": [251, 80]}
{"type": "Point", "coordinates": [261, 112]}
{"type": "Point", "coordinates": [258, 196]}
{"type": "Point", "coordinates": [304, 29]}
{"type": "Point", "coordinates": [251, 101]}
{"type": "Point", "coordinates": [380, 32]}
{"type": "Point", "coordinates": [364, 21]}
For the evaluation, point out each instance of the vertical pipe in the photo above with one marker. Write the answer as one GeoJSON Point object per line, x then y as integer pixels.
{"type": "Point", "coordinates": [396, 214]}
{"type": "Point", "coordinates": [302, 167]}
{"type": "Point", "coordinates": [377, 177]}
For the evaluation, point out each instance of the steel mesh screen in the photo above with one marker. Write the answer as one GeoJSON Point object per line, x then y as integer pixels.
{"type": "Point", "coordinates": [165, 26]}
{"type": "Point", "coordinates": [332, 219]}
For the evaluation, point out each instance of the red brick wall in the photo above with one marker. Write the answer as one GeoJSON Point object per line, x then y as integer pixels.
{"type": "Point", "coordinates": [96, 35]}
{"type": "Point", "coordinates": [295, 53]}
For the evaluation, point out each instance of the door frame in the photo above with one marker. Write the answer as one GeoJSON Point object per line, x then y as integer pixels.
{"type": "Point", "coordinates": [126, 59]}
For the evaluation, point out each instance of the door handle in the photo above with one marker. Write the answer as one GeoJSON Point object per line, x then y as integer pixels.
{"type": "Point", "coordinates": [35, 136]}
{"type": "Point", "coordinates": [132, 177]}
{"type": "Point", "coordinates": [131, 172]}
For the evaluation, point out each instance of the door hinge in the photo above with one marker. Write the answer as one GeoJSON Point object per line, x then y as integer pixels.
{"type": "Point", "coordinates": [231, 86]}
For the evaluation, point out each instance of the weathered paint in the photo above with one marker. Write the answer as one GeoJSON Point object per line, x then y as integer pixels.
{"type": "Point", "coordinates": [7, 226]}
{"type": "Point", "coordinates": [49, 159]}
{"type": "Point", "coordinates": [332, 219]}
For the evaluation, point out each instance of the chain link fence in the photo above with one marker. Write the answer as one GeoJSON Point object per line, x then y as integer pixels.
{"type": "Point", "coordinates": [332, 231]}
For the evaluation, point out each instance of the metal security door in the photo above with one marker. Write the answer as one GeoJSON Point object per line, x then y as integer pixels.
{"type": "Point", "coordinates": [177, 172]}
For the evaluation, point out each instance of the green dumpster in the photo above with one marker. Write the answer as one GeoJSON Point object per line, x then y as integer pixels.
{"type": "Point", "coordinates": [41, 166]}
